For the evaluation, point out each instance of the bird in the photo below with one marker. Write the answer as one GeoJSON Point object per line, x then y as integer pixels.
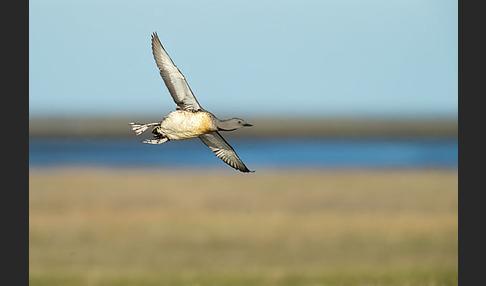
{"type": "Point", "coordinates": [189, 119]}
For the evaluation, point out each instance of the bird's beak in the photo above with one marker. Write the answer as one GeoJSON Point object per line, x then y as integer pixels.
{"type": "Point", "coordinates": [247, 124]}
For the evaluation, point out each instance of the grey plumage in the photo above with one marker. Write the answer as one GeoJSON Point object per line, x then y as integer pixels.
{"type": "Point", "coordinates": [173, 78]}
{"type": "Point", "coordinates": [223, 150]}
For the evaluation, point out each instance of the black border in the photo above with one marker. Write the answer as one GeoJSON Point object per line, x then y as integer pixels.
{"type": "Point", "coordinates": [15, 142]}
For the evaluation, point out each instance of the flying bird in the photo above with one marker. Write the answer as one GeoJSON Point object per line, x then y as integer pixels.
{"type": "Point", "coordinates": [189, 120]}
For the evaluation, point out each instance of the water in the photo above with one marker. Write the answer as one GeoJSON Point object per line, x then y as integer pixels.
{"type": "Point", "coordinates": [256, 153]}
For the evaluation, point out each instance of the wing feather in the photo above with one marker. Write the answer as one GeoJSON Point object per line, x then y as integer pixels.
{"type": "Point", "coordinates": [173, 78]}
{"type": "Point", "coordinates": [223, 150]}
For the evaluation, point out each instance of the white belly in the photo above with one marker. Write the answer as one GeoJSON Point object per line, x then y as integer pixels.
{"type": "Point", "coordinates": [180, 125]}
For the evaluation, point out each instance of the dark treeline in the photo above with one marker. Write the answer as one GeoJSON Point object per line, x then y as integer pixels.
{"type": "Point", "coordinates": [263, 127]}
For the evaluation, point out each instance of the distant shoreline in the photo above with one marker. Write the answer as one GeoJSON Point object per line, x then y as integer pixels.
{"type": "Point", "coordinates": [40, 127]}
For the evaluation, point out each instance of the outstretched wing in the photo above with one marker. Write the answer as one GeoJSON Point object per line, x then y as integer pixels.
{"type": "Point", "coordinates": [173, 78]}
{"type": "Point", "coordinates": [223, 150]}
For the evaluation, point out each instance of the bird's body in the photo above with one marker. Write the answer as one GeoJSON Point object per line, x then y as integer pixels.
{"type": "Point", "coordinates": [180, 124]}
{"type": "Point", "coordinates": [189, 120]}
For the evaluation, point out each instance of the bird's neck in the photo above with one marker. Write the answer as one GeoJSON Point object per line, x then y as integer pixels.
{"type": "Point", "coordinates": [224, 125]}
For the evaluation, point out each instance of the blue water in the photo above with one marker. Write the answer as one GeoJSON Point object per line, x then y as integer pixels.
{"type": "Point", "coordinates": [256, 153]}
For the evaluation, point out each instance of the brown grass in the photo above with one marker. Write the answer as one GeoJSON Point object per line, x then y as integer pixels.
{"type": "Point", "coordinates": [143, 227]}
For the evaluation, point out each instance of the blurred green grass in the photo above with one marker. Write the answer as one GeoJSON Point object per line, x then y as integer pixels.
{"type": "Point", "coordinates": [153, 227]}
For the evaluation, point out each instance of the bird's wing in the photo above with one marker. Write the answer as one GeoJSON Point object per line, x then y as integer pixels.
{"type": "Point", "coordinates": [223, 150]}
{"type": "Point", "coordinates": [173, 78]}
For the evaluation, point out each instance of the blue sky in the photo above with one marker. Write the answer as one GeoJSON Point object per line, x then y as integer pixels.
{"type": "Point", "coordinates": [246, 58]}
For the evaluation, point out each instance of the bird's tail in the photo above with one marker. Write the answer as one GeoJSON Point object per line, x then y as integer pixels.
{"type": "Point", "coordinates": [139, 128]}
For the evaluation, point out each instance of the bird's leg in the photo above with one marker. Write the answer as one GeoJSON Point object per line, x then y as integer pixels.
{"type": "Point", "coordinates": [139, 128]}
{"type": "Point", "coordinates": [158, 135]}
{"type": "Point", "coordinates": [156, 141]}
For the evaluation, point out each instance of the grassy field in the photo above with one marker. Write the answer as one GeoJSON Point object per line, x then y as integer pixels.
{"type": "Point", "coordinates": [146, 227]}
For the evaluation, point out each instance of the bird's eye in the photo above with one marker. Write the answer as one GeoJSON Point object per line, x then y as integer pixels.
{"type": "Point", "coordinates": [239, 122]}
